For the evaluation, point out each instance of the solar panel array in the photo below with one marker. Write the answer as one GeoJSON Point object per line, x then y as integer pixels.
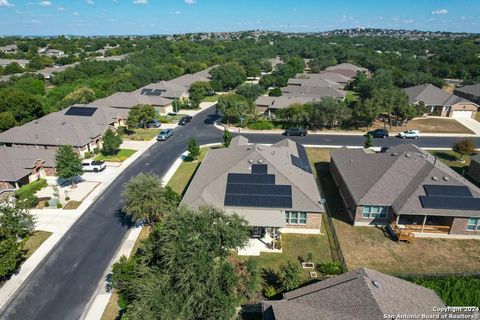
{"type": "Point", "coordinates": [302, 160]}
{"type": "Point", "coordinates": [257, 189]}
{"type": "Point", "coordinates": [81, 111]}
{"type": "Point", "coordinates": [449, 197]}
{"type": "Point", "coordinates": [152, 92]}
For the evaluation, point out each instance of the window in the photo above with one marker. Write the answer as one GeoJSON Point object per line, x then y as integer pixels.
{"type": "Point", "coordinates": [294, 217]}
{"type": "Point", "coordinates": [473, 224]}
{"type": "Point", "coordinates": [371, 212]}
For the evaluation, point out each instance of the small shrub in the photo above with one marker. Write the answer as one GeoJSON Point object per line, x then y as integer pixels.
{"type": "Point", "coordinates": [59, 205]}
{"type": "Point", "coordinates": [309, 257]}
{"type": "Point", "coordinates": [67, 198]}
{"type": "Point", "coordinates": [121, 130]}
{"type": "Point", "coordinates": [96, 150]}
{"type": "Point", "coordinates": [88, 155]}
{"type": "Point", "coordinates": [330, 268]}
{"type": "Point", "coordinates": [29, 190]}
{"type": "Point", "coordinates": [269, 292]}
{"type": "Point", "coordinates": [260, 125]}
{"type": "Point", "coordinates": [164, 119]}
{"type": "Point", "coordinates": [290, 276]}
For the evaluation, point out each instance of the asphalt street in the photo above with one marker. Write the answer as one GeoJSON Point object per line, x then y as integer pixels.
{"type": "Point", "coordinates": [63, 284]}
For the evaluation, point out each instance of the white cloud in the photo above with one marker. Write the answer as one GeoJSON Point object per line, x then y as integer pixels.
{"type": "Point", "coordinates": [440, 11]}
{"type": "Point", "coordinates": [61, 9]}
{"type": "Point", "coordinates": [5, 3]}
{"type": "Point", "coordinates": [45, 3]}
{"type": "Point", "coordinates": [140, 1]}
{"type": "Point", "coordinates": [190, 1]}
{"type": "Point", "coordinates": [89, 2]}
{"type": "Point", "coordinates": [408, 21]}
{"type": "Point", "coordinates": [75, 13]}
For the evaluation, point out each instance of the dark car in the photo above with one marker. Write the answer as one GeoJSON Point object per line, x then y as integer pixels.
{"type": "Point", "coordinates": [185, 120]}
{"type": "Point", "coordinates": [295, 132]}
{"type": "Point", "coordinates": [378, 133]}
{"type": "Point", "coordinates": [154, 124]}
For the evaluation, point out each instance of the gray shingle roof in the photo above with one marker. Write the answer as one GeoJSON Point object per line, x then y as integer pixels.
{"type": "Point", "coordinates": [432, 96]}
{"type": "Point", "coordinates": [396, 178]}
{"type": "Point", "coordinates": [362, 294]}
{"type": "Point", "coordinates": [473, 89]}
{"type": "Point", "coordinates": [57, 128]}
{"type": "Point", "coordinates": [18, 162]}
{"type": "Point", "coordinates": [284, 101]}
{"type": "Point", "coordinates": [313, 92]}
{"type": "Point", "coordinates": [187, 80]}
{"type": "Point", "coordinates": [208, 186]}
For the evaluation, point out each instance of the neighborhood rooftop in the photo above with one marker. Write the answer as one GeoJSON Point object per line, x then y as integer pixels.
{"type": "Point", "coordinates": [18, 162]}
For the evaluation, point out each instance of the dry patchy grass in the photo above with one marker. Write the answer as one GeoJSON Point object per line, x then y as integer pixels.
{"type": "Point", "coordinates": [429, 125]}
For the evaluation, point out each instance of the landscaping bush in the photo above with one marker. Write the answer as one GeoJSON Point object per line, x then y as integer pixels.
{"type": "Point", "coordinates": [97, 150]}
{"type": "Point", "coordinates": [269, 292]}
{"type": "Point", "coordinates": [28, 191]}
{"type": "Point", "coordinates": [260, 125]}
{"type": "Point", "coordinates": [88, 155]}
{"type": "Point", "coordinates": [59, 205]}
{"type": "Point", "coordinates": [164, 119]}
{"type": "Point", "coordinates": [290, 276]}
{"type": "Point", "coordinates": [330, 268]}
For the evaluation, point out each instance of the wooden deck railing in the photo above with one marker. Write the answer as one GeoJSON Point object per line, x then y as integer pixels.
{"type": "Point", "coordinates": [402, 234]}
{"type": "Point", "coordinates": [426, 228]}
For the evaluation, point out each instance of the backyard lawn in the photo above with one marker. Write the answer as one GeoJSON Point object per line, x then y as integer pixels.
{"type": "Point", "coordinates": [213, 98]}
{"type": "Point", "coordinates": [184, 174]}
{"type": "Point", "coordinates": [369, 247]}
{"type": "Point", "coordinates": [120, 156]}
{"type": "Point", "coordinates": [141, 134]}
{"type": "Point", "coordinates": [35, 241]}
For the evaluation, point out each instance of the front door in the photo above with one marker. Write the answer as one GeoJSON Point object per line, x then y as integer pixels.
{"type": "Point", "coordinates": [257, 232]}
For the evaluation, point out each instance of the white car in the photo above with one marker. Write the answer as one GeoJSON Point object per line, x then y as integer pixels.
{"type": "Point", "coordinates": [412, 134]}
{"type": "Point", "coordinates": [91, 165]}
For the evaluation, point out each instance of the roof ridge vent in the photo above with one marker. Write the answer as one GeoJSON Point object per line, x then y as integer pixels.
{"type": "Point", "coordinates": [446, 178]}
{"type": "Point", "coordinates": [260, 161]}
{"type": "Point", "coordinates": [377, 284]}
{"type": "Point", "coordinates": [434, 178]}
{"type": "Point", "coordinates": [408, 155]}
{"type": "Point", "coordinates": [394, 154]}
{"type": "Point", "coordinates": [251, 161]}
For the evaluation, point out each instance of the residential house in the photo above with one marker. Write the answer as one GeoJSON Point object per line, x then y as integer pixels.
{"type": "Point", "coordinates": [49, 72]}
{"type": "Point", "coordinates": [347, 70]}
{"type": "Point", "coordinates": [9, 48]}
{"type": "Point", "coordinates": [407, 189]}
{"type": "Point", "coordinates": [309, 81]}
{"type": "Point", "coordinates": [335, 79]}
{"type": "Point", "coordinates": [471, 92]}
{"type": "Point", "coordinates": [314, 92]}
{"type": "Point", "coordinates": [362, 294]}
{"type": "Point", "coordinates": [51, 52]}
{"type": "Point", "coordinates": [440, 102]}
{"type": "Point", "coordinates": [474, 168]}
{"type": "Point", "coordinates": [6, 62]}
{"type": "Point", "coordinates": [79, 126]}
{"type": "Point", "coordinates": [188, 79]}
{"type": "Point", "coordinates": [271, 187]}
{"type": "Point", "coordinates": [21, 166]}
{"type": "Point", "coordinates": [269, 105]}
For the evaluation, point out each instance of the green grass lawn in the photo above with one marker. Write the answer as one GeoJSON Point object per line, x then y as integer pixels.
{"type": "Point", "coordinates": [141, 134]}
{"type": "Point", "coordinates": [33, 242]}
{"type": "Point", "coordinates": [213, 98]}
{"type": "Point", "coordinates": [450, 158]}
{"type": "Point", "coordinates": [182, 177]}
{"type": "Point", "coordinates": [351, 96]}
{"type": "Point", "coordinates": [121, 155]}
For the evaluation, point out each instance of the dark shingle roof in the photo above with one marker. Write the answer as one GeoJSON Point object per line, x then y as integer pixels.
{"type": "Point", "coordinates": [473, 89]}
{"type": "Point", "coordinates": [432, 96]}
{"type": "Point", "coordinates": [18, 162]}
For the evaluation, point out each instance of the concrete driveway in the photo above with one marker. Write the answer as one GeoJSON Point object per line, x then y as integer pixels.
{"type": "Point", "coordinates": [471, 124]}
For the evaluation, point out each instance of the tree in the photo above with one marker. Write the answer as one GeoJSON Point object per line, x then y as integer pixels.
{"type": "Point", "coordinates": [7, 121]}
{"type": "Point", "coordinates": [463, 147]}
{"type": "Point", "coordinates": [275, 92]}
{"type": "Point", "coordinates": [227, 137]}
{"type": "Point", "coordinates": [250, 91]}
{"type": "Point", "coordinates": [22, 105]}
{"type": "Point", "coordinates": [67, 163]}
{"type": "Point", "coordinates": [266, 66]}
{"type": "Point", "coordinates": [82, 95]}
{"type": "Point", "coordinates": [368, 141]}
{"type": "Point", "coordinates": [12, 68]}
{"type": "Point", "coordinates": [235, 108]}
{"type": "Point", "coordinates": [330, 112]}
{"type": "Point", "coordinates": [227, 76]}
{"type": "Point", "coordinates": [183, 271]}
{"type": "Point", "coordinates": [16, 223]}
{"type": "Point", "coordinates": [290, 276]}
{"type": "Point", "coordinates": [295, 115]}
{"type": "Point", "coordinates": [193, 148]}
{"type": "Point", "coordinates": [146, 200]}
{"type": "Point", "coordinates": [140, 114]}
{"type": "Point", "coordinates": [111, 142]}
{"type": "Point", "coordinates": [198, 91]}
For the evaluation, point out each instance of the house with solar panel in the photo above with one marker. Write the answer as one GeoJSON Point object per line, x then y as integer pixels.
{"type": "Point", "coordinates": [408, 190]}
{"type": "Point", "coordinates": [80, 126]}
{"type": "Point", "coordinates": [271, 187]}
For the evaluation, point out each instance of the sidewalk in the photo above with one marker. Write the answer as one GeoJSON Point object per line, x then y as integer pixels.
{"type": "Point", "coordinates": [222, 127]}
{"type": "Point", "coordinates": [59, 221]}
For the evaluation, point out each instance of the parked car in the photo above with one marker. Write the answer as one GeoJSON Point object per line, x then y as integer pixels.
{"type": "Point", "coordinates": [295, 132]}
{"type": "Point", "coordinates": [411, 134]}
{"type": "Point", "coordinates": [165, 134]}
{"type": "Point", "coordinates": [378, 133]}
{"type": "Point", "coordinates": [185, 120]}
{"type": "Point", "coordinates": [91, 165]}
{"type": "Point", "coordinates": [154, 124]}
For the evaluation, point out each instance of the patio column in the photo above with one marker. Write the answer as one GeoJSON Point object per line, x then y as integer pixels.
{"type": "Point", "coordinates": [423, 224]}
{"type": "Point", "coordinates": [398, 219]}
{"type": "Point", "coordinates": [274, 235]}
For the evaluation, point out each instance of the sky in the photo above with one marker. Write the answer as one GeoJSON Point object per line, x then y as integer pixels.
{"type": "Point", "coordinates": [145, 17]}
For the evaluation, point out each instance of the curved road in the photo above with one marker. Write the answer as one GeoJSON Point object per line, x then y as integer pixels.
{"type": "Point", "coordinates": [63, 284]}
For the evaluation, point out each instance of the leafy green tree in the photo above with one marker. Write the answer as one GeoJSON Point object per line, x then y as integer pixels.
{"type": "Point", "coordinates": [227, 138]}
{"type": "Point", "coordinates": [22, 105]}
{"type": "Point", "coordinates": [12, 68]}
{"type": "Point", "coordinates": [111, 142]}
{"type": "Point", "coordinates": [234, 108]}
{"type": "Point", "coordinates": [295, 115]}
{"type": "Point", "coordinates": [266, 66]}
{"type": "Point", "coordinates": [146, 200]}
{"type": "Point", "coordinates": [227, 76]}
{"type": "Point", "coordinates": [250, 91]}
{"type": "Point", "coordinates": [193, 149]}
{"type": "Point", "coordinates": [16, 223]}
{"type": "Point", "coordinates": [67, 163]}
{"type": "Point", "coordinates": [463, 147]}
{"type": "Point", "coordinates": [394, 102]}
{"type": "Point", "coordinates": [368, 141]}
{"type": "Point", "coordinates": [31, 85]}
{"type": "Point", "coordinates": [330, 112]}
{"type": "Point", "coordinates": [140, 114]}
{"type": "Point", "coordinates": [275, 92]}
{"type": "Point", "coordinates": [290, 276]}
{"type": "Point", "coordinates": [198, 91]}
{"type": "Point", "coordinates": [7, 121]}
{"type": "Point", "coordinates": [365, 112]}
{"type": "Point", "coordinates": [82, 95]}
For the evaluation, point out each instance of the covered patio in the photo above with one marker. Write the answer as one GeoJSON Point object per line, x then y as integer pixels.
{"type": "Point", "coordinates": [424, 224]}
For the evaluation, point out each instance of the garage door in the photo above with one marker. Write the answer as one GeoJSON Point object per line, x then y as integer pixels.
{"type": "Point", "coordinates": [462, 114]}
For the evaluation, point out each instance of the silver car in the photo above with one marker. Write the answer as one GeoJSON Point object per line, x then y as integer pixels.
{"type": "Point", "coordinates": [165, 134]}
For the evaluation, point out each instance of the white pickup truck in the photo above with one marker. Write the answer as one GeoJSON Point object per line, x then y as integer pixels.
{"type": "Point", "coordinates": [93, 165]}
